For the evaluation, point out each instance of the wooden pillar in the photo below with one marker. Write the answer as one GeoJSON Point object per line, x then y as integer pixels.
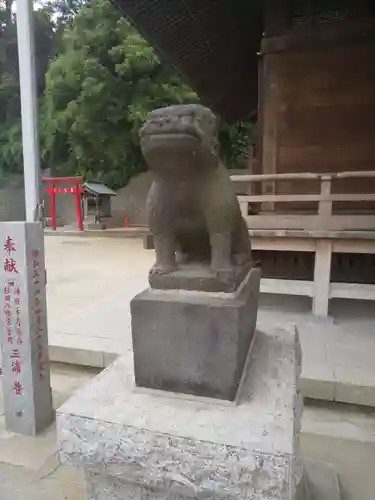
{"type": "Point", "coordinates": [325, 205]}
{"type": "Point", "coordinates": [270, 126]}
{"type": "Point", "coordinates": [276, 19]}
{"type": "Point", "coordinates": [85, 207]}
{"type": "Point", "coordinates": [322, 277]}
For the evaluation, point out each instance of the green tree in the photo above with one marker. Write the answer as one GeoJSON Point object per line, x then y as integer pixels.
{"type": "Point", "coordinates": [10, 120]}
{"type": "Point", "coordinates": [103, 80]}
{"type": "Point", "coordinates": [235, 141]}
{"type": "Point", "coordinates": [98, 92]}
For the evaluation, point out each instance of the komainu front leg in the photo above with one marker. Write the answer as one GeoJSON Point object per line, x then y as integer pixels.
{"type": "Point", "coordinates": [241, 245]}
{"type": "Point", "coordinates": [221, 248]}
{"type": "Point", "coordinates": [165, 254]}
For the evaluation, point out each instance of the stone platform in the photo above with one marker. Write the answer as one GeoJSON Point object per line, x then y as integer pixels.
{"type": "Point", "coordinates": [137, 443]}
{"type": "Point", "coordinates": [194, 342]}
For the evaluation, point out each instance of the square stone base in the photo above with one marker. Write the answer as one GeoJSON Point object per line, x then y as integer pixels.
{"type": "Point", "coordinates": [194, 342]}
{"type": "Point", "coordinates": [196, 276]}
{"type": "Point", "coordinates": [144, 444]}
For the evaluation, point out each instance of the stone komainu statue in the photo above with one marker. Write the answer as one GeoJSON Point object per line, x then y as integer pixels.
{"type": "Point", "coordinates": [193, 211]}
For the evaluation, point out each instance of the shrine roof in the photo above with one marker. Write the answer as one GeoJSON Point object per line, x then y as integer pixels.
{"type": "Point", "coordinates": [213, 43]}
{"type": "Point", "coordinates": [98, 188]}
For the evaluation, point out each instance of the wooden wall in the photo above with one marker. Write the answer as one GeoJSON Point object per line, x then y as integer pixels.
{"type": "Point", "coordinates": [318, 105]}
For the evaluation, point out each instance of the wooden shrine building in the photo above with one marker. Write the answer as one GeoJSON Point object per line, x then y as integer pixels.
{"type": "Point", "coordinates": [306, 70]}
{"type": "Point", "coordinates": [96, 198]}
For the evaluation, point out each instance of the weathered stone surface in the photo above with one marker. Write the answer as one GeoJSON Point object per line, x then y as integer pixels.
{"type": "Point", "coordinates": [322, 484]}
{"type": "Point", "coordinates": [194, 343]}
{"type": "Point", "coordinates": [148, 444]}
{"type": "Point", "coordinates": [192, 208]}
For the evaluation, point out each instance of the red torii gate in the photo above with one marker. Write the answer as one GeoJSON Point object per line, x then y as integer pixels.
{"type": "Point", "coordinates": [76, 190]}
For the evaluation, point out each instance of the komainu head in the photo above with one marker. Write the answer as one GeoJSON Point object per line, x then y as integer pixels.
{"type": "Point", "coordinates": [180, 136]}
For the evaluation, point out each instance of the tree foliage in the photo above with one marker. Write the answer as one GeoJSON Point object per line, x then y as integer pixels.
{"type": "Point", "coordinates": [10, 108]}
{"type": "Point", "coordinates": [234, 142]}
{"type": "Point", "coordinates": [98, 91]}
{"type": "Point", "coordinates": [97, 78]}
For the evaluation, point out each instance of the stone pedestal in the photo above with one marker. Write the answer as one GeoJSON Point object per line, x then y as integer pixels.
{"type": "Point", "coordinates": [143, 444]}
{"type": "Point", "coordinates": [194, 342]}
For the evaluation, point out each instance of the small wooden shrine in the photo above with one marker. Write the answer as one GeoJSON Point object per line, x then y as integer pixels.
{"type": "Point", "coordinates": [96, 198]}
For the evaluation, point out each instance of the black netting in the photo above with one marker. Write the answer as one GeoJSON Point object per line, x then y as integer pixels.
{"type": "Point", "coordinates": [214, 43]}
{"type": "Point", "coordinates": [318, 12]}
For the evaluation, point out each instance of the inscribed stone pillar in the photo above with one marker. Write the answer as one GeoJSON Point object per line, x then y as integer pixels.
{"type": "Point", "coordinates": [26, 371]}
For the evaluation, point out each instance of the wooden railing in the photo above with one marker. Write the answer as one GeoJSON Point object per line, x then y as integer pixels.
{"type": "Point", "coordinates": [323, 219]}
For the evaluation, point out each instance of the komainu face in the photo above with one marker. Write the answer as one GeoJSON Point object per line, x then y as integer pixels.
{"type": "Point", "coordinates": [183, 137]}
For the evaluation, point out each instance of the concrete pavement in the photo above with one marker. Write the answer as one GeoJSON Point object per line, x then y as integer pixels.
{"type": "Point", "coordinates": [29, 467]}
{"type": "Point", "coordinates": [343, 436]}
{"type": "Point", "coordinates": [92, 280]}
{"type": "Point", "coordinates": [338, 435]}
{"type": "Point", "coordinates": [90, 284]}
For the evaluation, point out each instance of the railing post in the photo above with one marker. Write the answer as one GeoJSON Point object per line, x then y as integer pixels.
{"type": "Point", "coordinates": [244, 207]}
{"type": "Point", "coordinates": [325, 204]}
{"type": "Point", "coordinates": [322, 277]}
